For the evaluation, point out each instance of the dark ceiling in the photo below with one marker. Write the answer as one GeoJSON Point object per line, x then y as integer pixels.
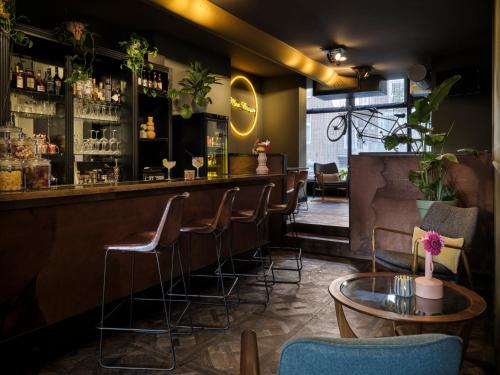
{"type": "Point", "coordinates": [388, 34]}
{"type": "Point", "coordinates": [116, 19]}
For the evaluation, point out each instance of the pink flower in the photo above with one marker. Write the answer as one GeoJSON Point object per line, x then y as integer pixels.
{"type": "Point", "coordinates": [433, 242]}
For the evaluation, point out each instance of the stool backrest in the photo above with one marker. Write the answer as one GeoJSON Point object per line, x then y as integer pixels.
{"type": "Point", "coordinates": [291, 180]}
{"type": "Point", "coordinates": [303, 174]}
{"type": "Point", "coordinates": [293, 198]}
{"type": "Point", "coordinates": [171, 221]}
{"type": "Point", "coordinates": [223, 218]}
{"type": "Point", "coordinates": [261, 209]}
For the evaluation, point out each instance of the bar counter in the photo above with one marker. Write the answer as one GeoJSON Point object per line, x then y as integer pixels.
{"type": "Point", "coordinates": [51, 247]}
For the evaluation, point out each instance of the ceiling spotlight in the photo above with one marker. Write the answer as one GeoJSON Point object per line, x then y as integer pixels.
{"type": "Point", "coordinates": [335, 55]}
{"type": "Point", "coordinates": [362, 72]}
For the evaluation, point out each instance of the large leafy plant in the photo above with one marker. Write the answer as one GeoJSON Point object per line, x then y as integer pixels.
{"type": "Point", "coordinates": [197, 84]}
{"type": "Point", "coordinates": [430, 177]}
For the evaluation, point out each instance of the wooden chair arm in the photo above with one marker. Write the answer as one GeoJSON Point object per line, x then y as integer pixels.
{"type": "Point", "coordinates": [249, 356]}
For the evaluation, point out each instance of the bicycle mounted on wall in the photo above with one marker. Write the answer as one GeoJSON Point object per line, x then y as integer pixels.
{"type": "Point", "coordinates": [337, 127]}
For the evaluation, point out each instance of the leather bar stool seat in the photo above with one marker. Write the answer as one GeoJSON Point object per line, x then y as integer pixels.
{"type": "Point", "coordinates": [148, 242]}
{"type": "Point", "coordinates": [255, 218]}
{"type": "Point", "coordinates": [216, 227]}
{"type": "Point", "coordinates": [288, 210]}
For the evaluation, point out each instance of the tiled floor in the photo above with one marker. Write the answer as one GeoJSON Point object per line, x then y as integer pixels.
{"type": "Point", "coordinates": [294, 311]}
{"type": "Point", "coordinates": [330, 211]}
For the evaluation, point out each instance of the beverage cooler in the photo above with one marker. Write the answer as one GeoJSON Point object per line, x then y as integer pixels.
{"type": "Point", "coordinates": [204, 135]}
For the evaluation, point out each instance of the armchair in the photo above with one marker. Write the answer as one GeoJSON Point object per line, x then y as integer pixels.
{"type": "Point", "coordinates": [327, 177]}
{"type": "Point", "coordinates": [416, 355]}
{"type": "Point", "coordinates": [447, 220]}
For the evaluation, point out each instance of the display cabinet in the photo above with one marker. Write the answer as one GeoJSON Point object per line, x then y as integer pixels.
{"type": "Point", "coordinates": [88, 128]}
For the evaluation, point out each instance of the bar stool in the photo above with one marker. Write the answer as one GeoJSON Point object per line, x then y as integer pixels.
{"type": "Point", "coordinates": [216, 228]}
{"type": "Point", "coordinates": [257, 219]}
{"type": "Point", "coordinates": [155, 242]}
{"type": "Point", "coordinates": [287, 210]}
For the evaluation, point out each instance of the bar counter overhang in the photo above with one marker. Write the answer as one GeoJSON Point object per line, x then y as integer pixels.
{"type": "Point", "coordinates": [51, 247]}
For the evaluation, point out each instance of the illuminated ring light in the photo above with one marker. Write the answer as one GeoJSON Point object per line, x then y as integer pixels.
{"type": "Point", "coordinates": [251, 126]}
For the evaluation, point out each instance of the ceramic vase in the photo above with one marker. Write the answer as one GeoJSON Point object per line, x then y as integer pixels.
{"type": "Point", "coordinates": [262, 161]}
{"type": "Point", "coordinates": [427, 286]}
{"type": "Point", "coordinates": [424, 205]}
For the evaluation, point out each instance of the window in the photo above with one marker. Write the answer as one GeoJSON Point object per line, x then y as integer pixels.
{"type": "Point", "coordinates": [319, 149]}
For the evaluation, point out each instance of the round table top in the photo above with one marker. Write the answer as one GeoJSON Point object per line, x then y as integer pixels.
{"type": "Point", "coordinates": [372, 293]}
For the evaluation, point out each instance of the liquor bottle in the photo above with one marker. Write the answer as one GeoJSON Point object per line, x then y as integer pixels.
{"type": "Point", "coordinates": [29, 79]}
{"type": "Point", "coordinates": [155, 81]}
{"type": "Point", "coordinates": [101, 92]}
{"type": "Point", "coordinates": [49, 81]}
{"type": "Point", "coordinates": [150, 81]}
{"type": "Point", "coordinates": [95, 91]}
{"type": "Point", "coordinates": [18, 77]}
{"type": "Point", "coordinates": [139, 79]}
{"type": "Point", "coordinates": [159, 84]}
{"type": "Point", "coordinates": [145, 82]}
{"type": "Point", "coordinates": [107, 90]}
{"type": "Point", "coordinates": [40, 84]}
{"type": "Point", "coordinates": [57, 82]}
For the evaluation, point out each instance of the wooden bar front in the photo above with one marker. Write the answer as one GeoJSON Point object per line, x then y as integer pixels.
{"type": "Point", "coordinates": [51, 247]}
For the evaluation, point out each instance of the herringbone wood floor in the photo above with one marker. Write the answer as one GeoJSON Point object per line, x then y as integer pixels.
{"type": "Point", "coordinates": [294, 311]}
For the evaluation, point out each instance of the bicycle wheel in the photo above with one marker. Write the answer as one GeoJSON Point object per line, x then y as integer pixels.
{"type": "Point", "coordinates": [336, 128]}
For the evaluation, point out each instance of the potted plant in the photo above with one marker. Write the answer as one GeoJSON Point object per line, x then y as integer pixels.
{"type": "Point", "coordinates": [137, 51]}
{"type": "Point", "coordinates": [83, 41]}
{"type": "Point", "coordinates": [8, 20]}
{"type": "Point", "coordinates": [430, 177]}
{"type": "Point", "coordinates": [197, 85]}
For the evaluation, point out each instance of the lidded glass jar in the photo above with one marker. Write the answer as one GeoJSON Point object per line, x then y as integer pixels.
{"type": "Point", "coordinates": [37, 173]}
{"type": "Point", "coordinates": [11, 174]}
{"type": "Point", "coordinates": [23, 148]}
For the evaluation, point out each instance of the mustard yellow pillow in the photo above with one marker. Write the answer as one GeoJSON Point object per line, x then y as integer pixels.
{"type": "Point", "coordinates": [448, 257]}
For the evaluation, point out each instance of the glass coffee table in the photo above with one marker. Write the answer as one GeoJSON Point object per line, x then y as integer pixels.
{"type": "Point", "coordinates": [372, 294]}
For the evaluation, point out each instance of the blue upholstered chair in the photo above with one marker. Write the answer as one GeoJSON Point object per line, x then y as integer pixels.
{"type": "Point", "coordinates": [431, 354]}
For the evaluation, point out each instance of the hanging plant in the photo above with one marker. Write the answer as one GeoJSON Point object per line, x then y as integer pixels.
{"type": "Point", "coordinates": [138, 51]}
{"type": "Point", "coordinates": [197, 84]}
{"type": "Point", "coordinates": [77, 34]}
{"type": "Point", "coordinates": [8, 20]}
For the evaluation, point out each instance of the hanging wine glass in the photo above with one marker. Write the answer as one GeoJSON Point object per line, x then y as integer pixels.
{"type": "Point", "coordinates": [197, 163]}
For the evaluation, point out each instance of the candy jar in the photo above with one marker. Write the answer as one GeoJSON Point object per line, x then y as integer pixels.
{"type": "Point", "coordinates": [23, 148]}
{"type": "Point", "coordinates": [11, 174]}
{"type": "Point", "coordinates": [37, 173]}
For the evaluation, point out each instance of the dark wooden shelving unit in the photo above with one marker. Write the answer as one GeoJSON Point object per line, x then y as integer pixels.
{"type": "Point", "coordinates": [136, 153]}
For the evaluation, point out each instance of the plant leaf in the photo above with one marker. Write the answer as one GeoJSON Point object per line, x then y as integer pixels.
{"type": "Point", "coordinates": [448, 156]}
{"type": "Point", "coordinates": [440, 92]}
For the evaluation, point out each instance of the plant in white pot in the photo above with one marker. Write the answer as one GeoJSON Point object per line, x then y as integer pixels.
{"type": "Point", "coordinates": [431, 176]}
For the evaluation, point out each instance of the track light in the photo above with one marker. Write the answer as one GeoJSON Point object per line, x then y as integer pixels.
{"type": "Point", "coordinates": [335, 55]}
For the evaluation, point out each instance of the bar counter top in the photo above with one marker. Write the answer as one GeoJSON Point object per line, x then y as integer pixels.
{"type": "Point", "coordinates": [75, 191]}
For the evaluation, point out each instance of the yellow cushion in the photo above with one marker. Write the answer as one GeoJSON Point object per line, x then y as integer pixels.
{"type": "Point", "coordinates": [448, 257]}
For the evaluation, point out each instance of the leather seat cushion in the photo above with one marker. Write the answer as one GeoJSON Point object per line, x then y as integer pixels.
{"type": "Point", "coordinates": [242, 215]}
{"type": "Point", "coordinates": [198, 226]}
{"type": "Point", "coordinates": [399, 261]}
{"type": "Point", "coordinates": [133, 242]}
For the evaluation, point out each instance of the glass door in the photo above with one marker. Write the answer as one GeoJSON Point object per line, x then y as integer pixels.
{"type": "Point", "coordinates": [216, 134]}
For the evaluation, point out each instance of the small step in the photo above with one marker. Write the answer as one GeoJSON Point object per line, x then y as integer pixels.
{"type": "Point", "coordinates": [320, 244]}
{"type": "Point", "coordinates": [328, 230]}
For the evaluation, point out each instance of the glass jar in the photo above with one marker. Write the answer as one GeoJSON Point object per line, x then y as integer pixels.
{"type": "Point", "coordinates": [37, 173]}
{"type": "Point", "coordinates": [11, 174]}
{"type": "Point", "coordinates": [23, 148]}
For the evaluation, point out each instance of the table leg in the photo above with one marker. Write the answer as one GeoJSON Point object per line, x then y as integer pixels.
{"type": "Point", "coordinates": [344, 327]}
{"type": "Point", "coordinates": [465, 331]}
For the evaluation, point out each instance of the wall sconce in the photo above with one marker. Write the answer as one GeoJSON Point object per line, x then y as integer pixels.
{"type": "Point", "coordinates": [335, 55]}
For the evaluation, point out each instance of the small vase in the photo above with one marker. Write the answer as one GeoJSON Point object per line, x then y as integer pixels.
{"type": "Point", "coordinates": [262, 167]}
{"type": "Point", "coordinates": [427, 286]}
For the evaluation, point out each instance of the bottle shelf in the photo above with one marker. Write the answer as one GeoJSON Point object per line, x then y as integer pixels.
{"type": "Point", "coordinates": [40, 96]}
{"type": "Point", "coordinates": [107, 153]}
{"type": "Point", "coordinates": [98, 121]}
{"type": "Point", "coordinates": [153, 139]}
{"type": "Point", "coordinates": [33, 115]}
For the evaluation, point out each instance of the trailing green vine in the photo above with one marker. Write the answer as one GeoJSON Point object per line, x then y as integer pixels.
{"type": "Point", "coordinates": [8, 20]}
{"type": "Point", "coordinates": [137, 49]}
{"type": "Point", "coordinates": [83, 42]}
